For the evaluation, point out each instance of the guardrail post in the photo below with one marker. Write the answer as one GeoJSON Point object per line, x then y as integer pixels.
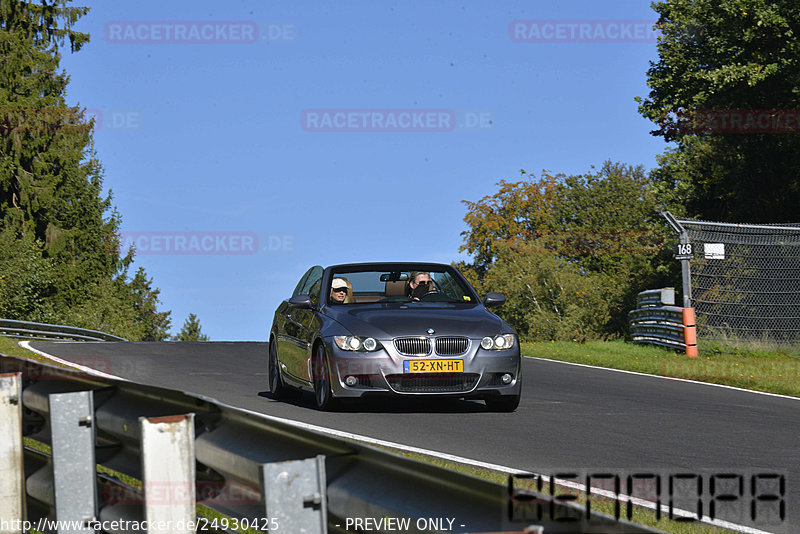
{"type": "Point", "coordinates": [74, 467]}
{"type": "Point", "coordinates": [295, 495]}
{"type": "Point", "coordinates": [12, 474]}
{"type": "Point", "coordinates": [168, 473]}
{"type": "Point", "coordinates": [690, 332]}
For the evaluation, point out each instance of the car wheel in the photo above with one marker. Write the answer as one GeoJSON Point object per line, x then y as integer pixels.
{"type": "Point", "coordinates": [322, 380]}
{"type": "Point", "coordinates": [276, 386]}
{"type": "Point", "coordinates": [504, 403]}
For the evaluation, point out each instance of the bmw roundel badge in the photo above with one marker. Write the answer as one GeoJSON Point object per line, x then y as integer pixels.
{"type": "Point", "coordinates": [431, 330]}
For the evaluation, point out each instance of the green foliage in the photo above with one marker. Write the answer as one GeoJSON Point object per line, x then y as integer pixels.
{"type": "Point", "coordinates": [548, 297]}
{"type": "Point", "coordinates": [569, 252]}
{"type": "Point", "coordinates": [53, 212]}
{"type": "Point", "coordinates": [143, 297]}
{"type": "Point", "coordinates": [124, 307]}
{"type": "Point", "coordinates": [27, 279]}
{"type": "Point", "coordinates": [191, 330]}
{"type": "Point", "coordinates": [718, 56]}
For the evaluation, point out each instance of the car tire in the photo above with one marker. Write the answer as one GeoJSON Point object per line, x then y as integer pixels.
{"type": "Point", "coordinates": [322, 380]}
{"type": "Point", "coordinates": [277, 388]}
{"type": "Point", "coordinates": [504, 403]}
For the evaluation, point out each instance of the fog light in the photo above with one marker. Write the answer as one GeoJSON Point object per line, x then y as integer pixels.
{"type": "Point", "coordinates": [351, 381]}
{"type": "Point", "coordinates": [506, 378]}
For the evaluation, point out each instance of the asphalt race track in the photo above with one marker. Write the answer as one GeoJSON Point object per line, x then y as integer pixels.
{"type": "Point", "coordinates": [571, 418]}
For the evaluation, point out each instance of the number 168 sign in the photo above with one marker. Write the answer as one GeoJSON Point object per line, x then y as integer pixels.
{"type": "Point", "coordinates": [685, 251]}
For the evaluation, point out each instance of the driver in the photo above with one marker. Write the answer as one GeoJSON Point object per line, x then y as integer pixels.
{"type": "Point", "coordinates": [419, 284]}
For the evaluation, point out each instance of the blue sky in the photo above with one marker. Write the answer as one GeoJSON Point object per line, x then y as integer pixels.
{"type": "Point", "coordinates": [206, 141]}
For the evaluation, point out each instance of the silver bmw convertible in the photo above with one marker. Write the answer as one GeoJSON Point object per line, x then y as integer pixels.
{"type": "Point", "coordinates": [403, 329]}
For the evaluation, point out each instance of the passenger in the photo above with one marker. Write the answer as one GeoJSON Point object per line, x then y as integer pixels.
{"type": "Point", "coordinates": [419, 284]}
{"type": "Point", "coordinates": [340, 291]}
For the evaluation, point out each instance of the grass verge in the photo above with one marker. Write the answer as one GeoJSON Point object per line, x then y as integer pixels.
{"type": "Point", "coordinates": [748, 367]}
{"type": "Point", "coordinates": [9, 347]}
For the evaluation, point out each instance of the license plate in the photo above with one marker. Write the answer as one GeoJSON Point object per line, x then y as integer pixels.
{"type": "Point", "coordinates": [433, 366]}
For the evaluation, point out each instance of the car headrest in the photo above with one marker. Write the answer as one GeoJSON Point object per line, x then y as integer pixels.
{"type": "Point", "coordinates": [395, 289]}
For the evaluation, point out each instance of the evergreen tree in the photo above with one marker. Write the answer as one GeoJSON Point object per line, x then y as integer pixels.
{"type": "Point", "coordinates": [191, 330]}
{"type": "Point", "coordinates": [51, 188]}
{"type": "Point", "coordinates": [51, 181]}
{"type": "Point", "coordinates": [144, 300]}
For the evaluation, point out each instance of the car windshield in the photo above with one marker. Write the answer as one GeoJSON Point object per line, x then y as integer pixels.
{"type": "Point", "coordinates": [359, 287]}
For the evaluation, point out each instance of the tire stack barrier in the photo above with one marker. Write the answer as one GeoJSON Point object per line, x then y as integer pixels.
{"type": "Point", "coordinates": [657, 321]}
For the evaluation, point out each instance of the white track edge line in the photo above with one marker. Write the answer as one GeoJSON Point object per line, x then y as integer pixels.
{"type": "Point", "coordinates": [88, 370]}
{"type": "Point", "coordinates": [666, 378]}
{"type": "Point", "coordinates": [446, 456]}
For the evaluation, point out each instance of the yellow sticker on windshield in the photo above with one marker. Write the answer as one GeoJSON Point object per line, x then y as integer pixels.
{"type": "Point", "coordinates": [466, 297]}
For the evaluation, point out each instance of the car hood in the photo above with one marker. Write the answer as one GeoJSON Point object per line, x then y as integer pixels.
{"type": "Point", "coordinates": [384, 321]}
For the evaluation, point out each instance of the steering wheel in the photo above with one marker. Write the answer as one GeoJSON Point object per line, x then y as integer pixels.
{"type": "Point", "coordinates": [429, 294]}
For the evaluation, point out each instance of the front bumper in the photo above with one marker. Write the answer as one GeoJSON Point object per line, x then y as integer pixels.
{"type": "Point", "coordinates": [381, 372]}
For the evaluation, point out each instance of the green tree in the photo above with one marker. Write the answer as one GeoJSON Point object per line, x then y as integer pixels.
{"type": "Point", "coordinates": [549, 297]}
{"type": "Point", "coordinates": [51, 181]}
{"type": "Point", "coordinates": [27, 280]}
{"type": "Point", "coordinates": [191, 330]}
{"type": "Point", "coordinates": [718, 56]}
{"type": "Point", "coordinates": [53, 211]}
{"type": "Point", "coordinates": [570, 252]}
{"type": "Point", "coordinates": [143, 297]}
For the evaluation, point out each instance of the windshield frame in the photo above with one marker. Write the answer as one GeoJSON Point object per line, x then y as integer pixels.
{"type": "Point", "coordinates": [335, 271]}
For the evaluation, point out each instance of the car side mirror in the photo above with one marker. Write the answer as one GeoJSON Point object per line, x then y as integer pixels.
{"type": "Point", "coordinates": [302, 302]}
{"type": "Point", "coordinates": [494, 299]}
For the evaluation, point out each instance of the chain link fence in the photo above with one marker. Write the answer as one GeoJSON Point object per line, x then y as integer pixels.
{"type": "Point", "coordinates": [743, 279]}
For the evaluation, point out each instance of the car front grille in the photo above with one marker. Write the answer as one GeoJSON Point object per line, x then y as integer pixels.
{"type": "Point", "coordinates": [413, 346]}
{"type": "Point", "coordinates": [451, 346]}
{"type": "Point", "coordinates": [433, 382]}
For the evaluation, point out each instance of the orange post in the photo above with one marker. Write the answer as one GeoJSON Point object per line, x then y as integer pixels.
{"type": "Point", "coordinates": [690, 332]}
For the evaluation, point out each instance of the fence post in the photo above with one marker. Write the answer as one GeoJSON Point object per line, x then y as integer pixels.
{"type": "Point", "coordinates": [686, 266]}
{"type": "Point", "coordinates": [168, 473]}
{"type": "Point", "coordinates": [74, 467]}
{"type": "Point", "coordinates": [295, 494]}
{"type": "Point", "coordinates": [690, 332]}
{"type": "Point", "coordinates": [12, 476]}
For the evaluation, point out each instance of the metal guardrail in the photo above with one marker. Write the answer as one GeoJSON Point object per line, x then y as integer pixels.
{"type": "Point", "coordinates": [43, 331]}
{"type": "Point", "coordinates": [243, 465]}
{"type": "Point", "coordinates": [657, 320]}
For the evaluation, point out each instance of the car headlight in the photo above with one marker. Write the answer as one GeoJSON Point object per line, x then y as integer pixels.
{"type": "Point", "coordinates": [501, 342]}
{"type": "Point", "coordinates": [356, 343]}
